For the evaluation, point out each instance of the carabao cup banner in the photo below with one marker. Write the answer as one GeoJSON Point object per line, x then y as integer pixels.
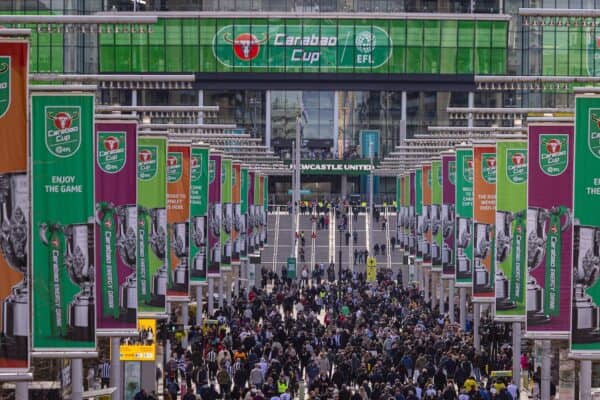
{"type": "Point", "coordinates": [62, 146]}
{"type": "Point", "coordinates": [448, 206]}
{"type": "Point", "coordinates": [484, 218]}
{"type": "Point", "coordinates": [178, 220]}
{"type": "Point", "coordinates": [236, 187]}
{"type": "Point", "coordinates": [227, 218]}
{"type": "Point", "coordinates": [418, 188]}
{"type": "Point", "coordinates": [549, 230]}
{"type": "Point", "coordinates": [463, 246]}
{"type": "Point", "coordinates": [213, 253]}
{"type": "Point", "coordinates": [265, 208]}
{"type": "Point", "coordinates": [406, 217]}
{"type": "Point", "coordinates": [244, 213]}
{"type": "Point", "coordinates": [436, 215]}
{"type": "Point", "coordinates": [412, 218]}
{"type": "Point", "coordinates": [152, 260]}
{"type": "Point", "coordinates": [14, 208]}
{"type": "Point", "coordinates": [116, 226]}
{"type": "Point", "coordinates": [426, 236]}
{"type": "Point", "coordinates": [511, 228]}
{"type": "Point", "coordinates": [250, 226]}
{"type": "Point", "coordinates": [586, 250]}
{"type": "Point", "coordinates": [198, 213]}
{"type": "Point", "coordinates": [256, 212]}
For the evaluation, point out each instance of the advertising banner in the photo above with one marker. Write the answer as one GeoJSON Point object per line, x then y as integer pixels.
{"type": "Point", "coordinates": [178, 220]}
{"type": "Point", "coordinates": [418, 188]}
{"type": "Point", "coordinates": [262, 211]}
{"type": "Point", "coordinates": [426, 236]}
{"type": "Point", "coordinates": [62, 172]}
{"type": "Point", "coordinates": [236, 187]}
{"type": "Point", "coordinates": [448, 215]}
{"type": "Point", "coordinates": [484, 218]}
{"type": "Point", "coordinates": [227, 216]}
{"type": "Point", "coordinates": [406, 219]}
{"type": "Point", "coordinates": [141, 347]}
{"type": "Point", "coordinates": [463, 245]}
{"type": "Point", "coordinates": [152, 260]}
{"type": "Point", "coordinates": [116, 227]}
{"type": "Point", "coordinates": [214, 215]}
{"type": "Point", "coordinates": [265, 208]}
{"type": "Point", "coordinates": [586, 243]}
{"type": "Point", "coordinates": [549, 230]}
{"type": "Point", "coordinates": [256, 212]}
{"type": "Point", "coordinates": [14, 208]}
{"type": "Point", "coordinates": [511, 228]}
{"type": "Point", "coordinates": [412, 218]}
{"type": "Point", "coordinates": [398, 204]}
{"type": "Point", "coordinates": [435, 212]}
{"type": "Point", "coordinates": [250, 219]}
{"type": "Point", "coordinates": [198, 213]}
{"type": "Point", "coordinates": [244, 213]}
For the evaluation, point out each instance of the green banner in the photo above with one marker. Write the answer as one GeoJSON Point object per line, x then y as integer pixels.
{"type": "Point", "coordinates": [62, 146]}
{"type": "Point", "coordinates": [227, 225]}
{"type": "Point", "coordinates": [198, 213]}
{"type": "Point", "coordinates": [152, 262]}
{"type": "Point", "coordinates": [464, 217]}
{"type": "Point", "coordinates": [436, 215]}
{"type": "Point", "coordinates": [419, 212]}
{"type": "Point", "coordinates": [511, 230]}
{"type": "Point", "coordinates": [244, 211]}
{"type": "Point", "coordinates": [586, 242]}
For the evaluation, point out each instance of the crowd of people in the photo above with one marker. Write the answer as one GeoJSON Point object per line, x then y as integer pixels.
{"type": "Point", "coordinates": [346, 339]}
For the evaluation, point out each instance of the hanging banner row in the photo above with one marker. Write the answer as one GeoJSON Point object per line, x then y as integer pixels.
{"type": "Point", "coordinates": [103, 225]}
{"type": "Point", "coordinates": [516, 222]}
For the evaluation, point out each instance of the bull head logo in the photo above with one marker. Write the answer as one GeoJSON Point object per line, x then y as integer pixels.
{"type": "Point", "coordinates": [246, 46]}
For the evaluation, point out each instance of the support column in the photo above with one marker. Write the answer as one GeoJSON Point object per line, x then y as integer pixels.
{"type": "Point", "coordinates": [585, 380]}
{"type": "Point", "coordinates": [199, 305]}
{"type": "Point", "coordinates": [516, 344]}
{"type": "Point", "coordinates": [442, 283]}
{"type": "Point", "coordinates": [476, 314]}
{"type": "Point", "coordinates": [434, 289]}
{"type": "Point", "coordinates": [426, 287]}
{"type": "Point", "coordinates": [471, 104]}
{"type": "Point", "coordinates": [21, 391]}
{"type": "Point", "coordinates": [116, 367]}
{"type": "Point", "coordinates": [268, 119]}
{"type": "Point", "coordinates": [185, 316]}
{"type": "Point", "coordinates": [228, 283]}
{"type": "Point", "coordinates": [546, 365]}
{"type": "Point", "coordinates": [201, 104]}
{"type": "Point", "coordinates": [463, 306]}
{"type": "Point", "coordinates": [336, 124]}
{"type": "Point", "coordinates": [221, 288]}
{"type": "Point", "coordinates": [344, 187]}
{"type": "Point", "coordinates": [451, 299]}
{"type": "Point", "coordinates": [403, 108]}
{"type": "Point", "coordinates": [77, 379]}
{"type": "Point", "coordinates": [211, 297]}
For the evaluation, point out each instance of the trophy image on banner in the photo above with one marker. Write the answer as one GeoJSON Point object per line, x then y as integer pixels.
{"type": "Point", "coordinates": [119, 224]}
{"type": "Point", "coordinates": [425, 245]}
{"type": "Point", "coordinates": [72, 251]}
{"type": "Point", "coordinates": [504, 242]}
{"type": "Point", "coordinates": [215, 229]}
{"type": "Point", "coordinates": [545, 229]}
{"type": "Point", "coordinates": [412, 225]}
{"type": "Point", "coordinates": [447, 219]}
{"type": "Point", "coordinates": [238, 224]}
{"type": "Point", "coordinates": [436, 225]}
{"type": "Point", "coordinates": [483, 242]}
{"type": "Point", "coordinates": [420, 238]}
{"type": "Point", "coordinates": [586, 278]}
{"type": "Point", "coordinates": [14, 212]}
{"type": "Point", "coordinates": [228, 227]}
{"type": "Point", "coordinates": [463, 240]}
{"type": "Point", "coordinates": [179, 244]}
{"type": "Point", "coordinates": [154, 289]}
{"type": "Point", "coordinates": [199, 238]}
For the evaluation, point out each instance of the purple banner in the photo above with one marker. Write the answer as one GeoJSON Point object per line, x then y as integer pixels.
{"type": "Point", "coordinates": [448, 204]}
{"type": "Point", "coordinates": [549, 230]}
{"type": "Point", "coordinates": [412, 239]}
{"type": "Point", "coordinates": [116, 226]}
{"type": "Point", "coordinates": [214, 215]}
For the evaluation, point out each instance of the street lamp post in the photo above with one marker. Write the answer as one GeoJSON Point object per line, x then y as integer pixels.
{"type": "Point", "coordinates": [340, 252]}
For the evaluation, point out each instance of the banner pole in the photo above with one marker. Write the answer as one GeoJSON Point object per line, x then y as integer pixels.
{"type": "Point", "coordinates": [185, 316]}
{"type": "Point", "coordinates": [221, 287]}
{"type": "Point", "coordinates": [77, 379]}
{"type": "Point", "coordinates": [463, 306]}
{"type": "Point", "coordinates": [442, 296]}
{"type": "Point", "coordinates": [585, 380]}
{"type": "Point", "coordinates": [21, 390]}
{"type": "Point", "coordinates": [476, 337]}
{"type": "Point", "coordinates": [546, 365]}
{"type": "Point", "coordinates": [199, 305]}
{"type": "Point", "coordinates": [211, 296]}
{"type": "Point", "coordinates": [451, 299]}
{"type": "Point", "coordinates": [115, 367]}
{"type": "Point", "coordinates": [516, 343]}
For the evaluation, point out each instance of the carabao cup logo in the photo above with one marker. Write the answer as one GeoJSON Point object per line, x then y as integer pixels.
{"type": "Point", "coordinates": [554, 154]}
{"type": "Point", "coordinates": [196, 167]}
{"type": "Point", "coordinates": [63, 130]}
{"type": "Point", "coordinates": [488, 167]}
{"type": "Point", "coordinates": [468, 168]}
{"type": "Point", "coordinates": [4, 85]}
{"type": "Point", "coordinates": [211, 170]}
{"type": "Point", "coordinates": [594, 132]}
{"type": "Point", "coordinates": [147, 162]}
{"type": "Point", "coordinates": [516, 165]}
{"type": "Point", "coordinates": [174, 166]}
{"type": "Point", "coordinates": [246, 46]}
{"type": "Point", "coordinates": [111, 151]}
{"type": "Point", "coordinates": [452, 172]}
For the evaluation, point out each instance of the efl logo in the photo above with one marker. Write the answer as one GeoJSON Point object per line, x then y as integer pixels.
{"type": "Point", "coordinates": [246, 46]}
